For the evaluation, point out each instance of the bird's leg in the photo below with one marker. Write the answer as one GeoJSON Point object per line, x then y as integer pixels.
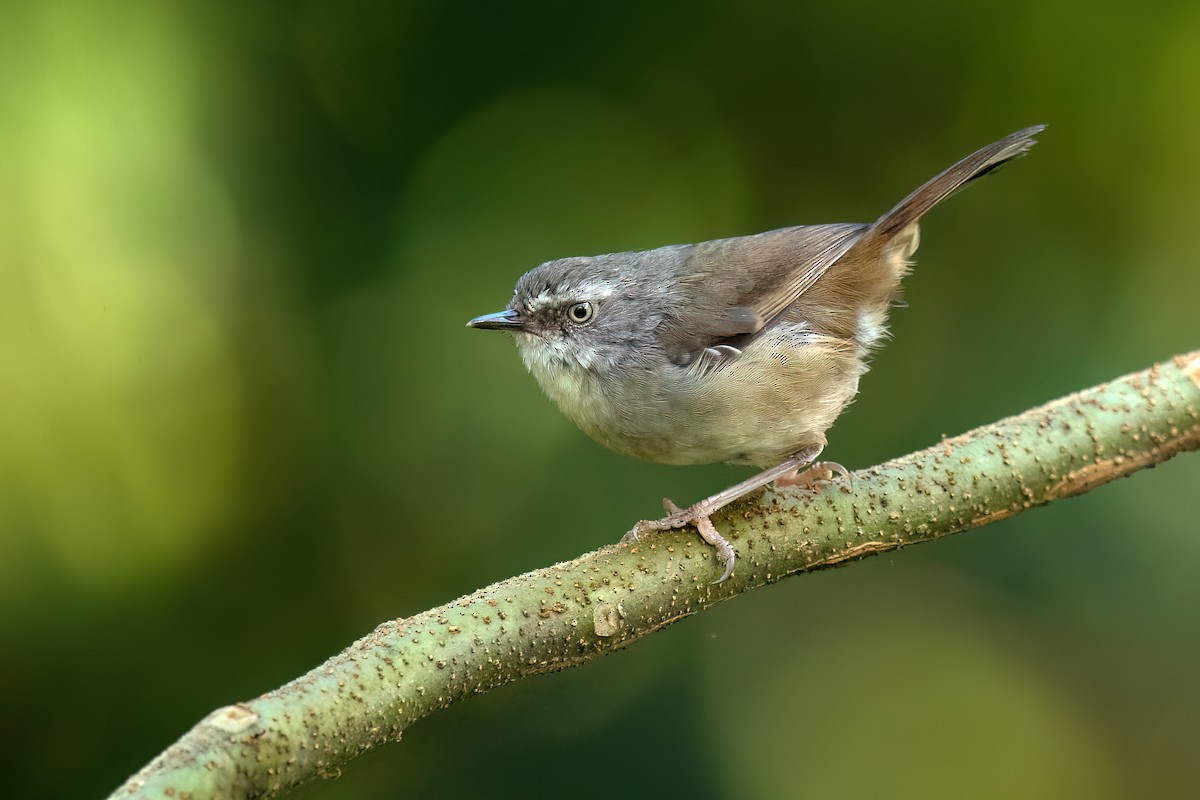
{"type": "Point", "coordinates": [699, 514]}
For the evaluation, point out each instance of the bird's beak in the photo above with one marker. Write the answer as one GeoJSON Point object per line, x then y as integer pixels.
{"type": "Point", "coordinates": [507, 320]}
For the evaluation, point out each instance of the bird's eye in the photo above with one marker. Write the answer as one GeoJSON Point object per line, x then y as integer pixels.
{"type": "Point", "coordinates": [580, 313]}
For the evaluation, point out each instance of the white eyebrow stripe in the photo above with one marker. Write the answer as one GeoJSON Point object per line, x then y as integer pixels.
{"type": "Point", "coordinates": [597, 290]}
{"type": "Point", "coordinates": [542, 300]}
{"type": "Point", "coordinates": [591, 290]}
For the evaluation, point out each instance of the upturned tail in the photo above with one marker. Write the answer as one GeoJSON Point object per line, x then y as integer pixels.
{"type": "Point", "coordinates": [979, 163]}
{"type": "Point", "coordinates": [851, 298]}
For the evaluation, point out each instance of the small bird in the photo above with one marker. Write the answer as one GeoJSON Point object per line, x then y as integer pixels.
{"type": "Point", "coordinates": [743, 350]}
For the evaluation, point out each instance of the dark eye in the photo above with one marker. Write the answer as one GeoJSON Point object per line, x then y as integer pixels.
{"type": "Point", "coordinates": [580, 313]}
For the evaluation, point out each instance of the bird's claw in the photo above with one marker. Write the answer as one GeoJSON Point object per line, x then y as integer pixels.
{"type": "Point", "coordinates": [814, 476]}
{"type": "Point", "coordinates": [676, 517]}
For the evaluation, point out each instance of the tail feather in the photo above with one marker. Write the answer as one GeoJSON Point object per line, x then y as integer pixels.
{"type": "Point", "coordinates": [976, 165]}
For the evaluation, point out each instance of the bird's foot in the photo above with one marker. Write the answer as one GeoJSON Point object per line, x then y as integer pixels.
{"type": "Point", "coordinates": [697, 515]}
{"type": "Point", "coordinates": [815, 476]}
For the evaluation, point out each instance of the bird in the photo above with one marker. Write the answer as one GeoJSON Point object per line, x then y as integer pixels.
{"type": "Point", "coordinates": [741, 350]}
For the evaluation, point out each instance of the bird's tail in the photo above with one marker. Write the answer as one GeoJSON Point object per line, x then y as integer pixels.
{"type": "Point", "coordinates": [868, 275]}
{"type": "Point", "coordinates": [979, 163]}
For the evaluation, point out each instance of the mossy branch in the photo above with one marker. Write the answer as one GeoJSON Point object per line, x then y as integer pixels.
{"type": "Point", "coordinates": [573, 612]}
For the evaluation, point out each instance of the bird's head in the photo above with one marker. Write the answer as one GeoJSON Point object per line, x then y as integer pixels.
{"type": "Point", "coordinates": [575, 313]}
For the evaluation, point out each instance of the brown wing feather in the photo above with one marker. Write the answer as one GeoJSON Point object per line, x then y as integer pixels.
{"type": "Point", "coordinates": [743, 284]}
{"type": "Point", "coordinates": [822, 275]}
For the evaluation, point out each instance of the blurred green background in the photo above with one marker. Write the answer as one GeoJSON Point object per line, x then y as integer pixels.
{"type": "Point", "coordinates": [241, 421]}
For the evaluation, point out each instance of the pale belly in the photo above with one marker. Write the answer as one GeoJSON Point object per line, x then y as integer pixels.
{"type": "Point", "coordinates": [778, 397]}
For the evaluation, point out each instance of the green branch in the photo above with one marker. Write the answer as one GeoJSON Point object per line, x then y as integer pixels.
{"type": "Point", "coordinates": [570, 613]}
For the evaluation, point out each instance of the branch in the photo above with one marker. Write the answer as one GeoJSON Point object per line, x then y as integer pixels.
{"type": "Point", "coordinates": [573, 612]}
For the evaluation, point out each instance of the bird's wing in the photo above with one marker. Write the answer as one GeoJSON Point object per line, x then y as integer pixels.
{"type": "Point", "coordinates": [738, 287]}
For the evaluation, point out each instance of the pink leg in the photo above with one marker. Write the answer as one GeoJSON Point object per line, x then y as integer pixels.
{"type": "Point", "coordinates": [699, 514]}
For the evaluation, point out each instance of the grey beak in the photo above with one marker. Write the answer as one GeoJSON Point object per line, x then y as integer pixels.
{"type": "Point", "coordinates": [507, 320]}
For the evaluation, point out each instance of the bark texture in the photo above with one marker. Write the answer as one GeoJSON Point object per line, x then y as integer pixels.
{"type": "Point", "coordinates": [564, 615]}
